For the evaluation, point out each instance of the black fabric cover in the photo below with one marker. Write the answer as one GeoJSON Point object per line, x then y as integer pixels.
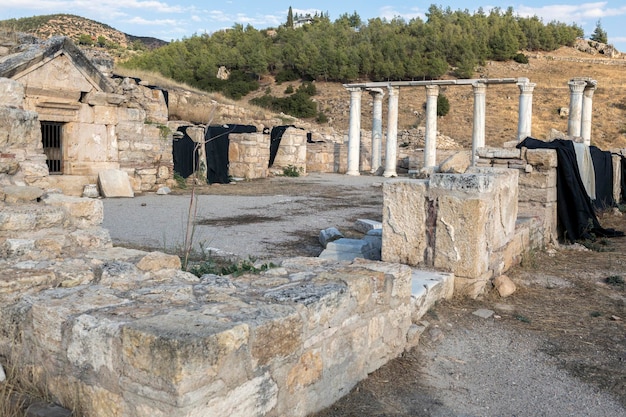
{"type": "Point", "coordinates": [217, 143]}
{"type": "Point", "coordinates": [184, 154]}
{"type": "Point", "coordinates": [603, 170]}
{"type": "Point", "coordinates": [576, 215]}
{"type": "Point", "coordinates": [275, 136]}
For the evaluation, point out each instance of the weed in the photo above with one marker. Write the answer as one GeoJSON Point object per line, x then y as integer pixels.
{"type": "Point", "coordinates": [614, 280]}
{"type": "Point", "coordinates": [597, 245]}
{"type": "Point", "coordinates": [595, 314]}
{"type": "Point", "coordinates": [521, 318]}
{"type": "Point", "coordinates": [180, 181]}
{"type": "Point", "coordinates": [292, 171]}
{"type": "Point", "coordinates": [529, 259]}
{"type": "Point", "coordinates": [234, 268]}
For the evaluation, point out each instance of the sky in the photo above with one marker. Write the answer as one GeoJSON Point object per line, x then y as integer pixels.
{"type": "Point", "coordinates": [174, 20]}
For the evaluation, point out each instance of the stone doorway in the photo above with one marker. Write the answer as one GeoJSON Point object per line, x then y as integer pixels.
{"type": "Point", "coordinates": [52, 140]}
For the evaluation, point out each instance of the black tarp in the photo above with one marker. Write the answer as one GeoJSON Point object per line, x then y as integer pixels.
{"type": "Point", "coordinates": [217, 142]}
{"type": "Point", "coordinates": [623, 182]}
{"type": "Point", "coordinates": [275, 136]}
{"type": "Point", "coordinates": [603, 170]}
{"type": "Point", "coordinates": [184, 154]}
{"type": "Point", "coordinates": [576, 215]}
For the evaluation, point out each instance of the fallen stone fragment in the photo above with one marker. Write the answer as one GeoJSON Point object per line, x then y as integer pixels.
{"type": "Point", "coordinates": [483, 313]}
{"type": "Point", "coordinates": [329, 235]}
{"type": "Point", "coordinates": [615, 318]}
{"type": "Point", "coordinates": [504, 285]}
{"type": "Point", "coordinates": [40, 409]}
{"type": "Point", "coordinates": [3, 375]}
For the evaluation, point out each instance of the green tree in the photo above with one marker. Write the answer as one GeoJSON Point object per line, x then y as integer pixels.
{"type": "Point", "coordinates": [599, 34]}
{"type": "Point", "coordinates": [289, 23]}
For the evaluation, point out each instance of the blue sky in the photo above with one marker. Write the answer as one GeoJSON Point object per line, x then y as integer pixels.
{"type": "Point", "coordinates": [171, 20]}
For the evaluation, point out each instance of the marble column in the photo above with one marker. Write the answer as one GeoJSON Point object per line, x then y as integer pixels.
{"type": "Point", "coordinates": [576, 89]}
{"type": "Point", "coordinates": [525, 117]}
{"type": "Point", "coordinates": [354, 132]}
{"type": "Point", "coordinates": [478, 130]}
{"type": "Point", "coordinates": [377, 128]}
{"type": "Point", "coordinates": [430, 147]}
{"type": "Point", "coordinates": [585, 125]}
{"type": "Point", "coordinates": [391, 148]}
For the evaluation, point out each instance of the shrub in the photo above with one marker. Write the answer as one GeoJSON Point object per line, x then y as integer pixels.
{"type": "Point", "coordinates": [520, 58]}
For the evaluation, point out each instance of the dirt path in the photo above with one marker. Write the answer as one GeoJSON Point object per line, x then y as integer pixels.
{"type": "Point", "coordinates": [557, 347]}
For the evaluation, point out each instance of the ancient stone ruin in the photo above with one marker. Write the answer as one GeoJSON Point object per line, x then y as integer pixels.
{"type": "Point", "coordinates": [122, 332]}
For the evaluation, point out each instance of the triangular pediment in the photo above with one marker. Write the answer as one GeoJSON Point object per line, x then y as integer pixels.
{"type": "Point", "coordinates": [56, 77]}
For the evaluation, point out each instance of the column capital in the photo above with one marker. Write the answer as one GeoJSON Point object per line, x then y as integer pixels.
{"type": "Point", "coordinates": [526, 87]}
{"type": "Point", "coordinates": [376, 92]}
{"type": "Point", "coordinates": [577, 86]}
{"type": "Point", "coordinates": [393, 90]}
{"type": "Point", "coordinates": [479, 88]}
{"type": "Point", "coordinates": [589, 90]}
{"type": "Point", "coordinates": [432, 90]}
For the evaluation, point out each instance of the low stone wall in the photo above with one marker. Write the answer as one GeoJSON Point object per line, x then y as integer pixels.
{"type": "Point", "coordinates": [327, 157]}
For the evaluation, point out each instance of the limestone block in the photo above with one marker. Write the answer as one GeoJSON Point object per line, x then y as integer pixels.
{"type": "Point", "coordinates": [115, 183]}
{"type": "Point", "coordinates": [31, 217]}
{"type": "Point", "coordinates": [84, 212]}
{"type": "Point", "coordinates": [11, 93]}
{"type": "Point", "coordinates": [457, 163]}
{"type": "Point", "coordinates": [538, 195]}
{"type": "Point", "coordinates": [504, 285]}
{"type": "Point", "coordinates": [158, 260]}
{"type": "Point", "coordinates": [365, 225]}
{"type": "Point", "coordinates": [15, 194]}
{"type": "Point", "coordinates": [538, 179]}
{"type": "Point", "coordinates": [405, 219]}
{"type": "Point", "coordinates": [507, 153]}
{"type": "Point", "coordinates": [106, 115]}
{"type": "Point", "coordinates": [470, 287]}
{"type": "Point", "coordinates": [542, 158]}
{"type": "Point", "coordinates": [461, 236]}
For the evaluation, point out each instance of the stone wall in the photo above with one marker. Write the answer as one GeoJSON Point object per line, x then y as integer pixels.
{"type": "Point", "coordinates": [292, 151]}
{"type": "Point", "coordinates": [327, 157]}
{"type": "Point", "coordinates": [248, 155]}
{"type": "Point", "coordinates": [537, 185]}
{"type": "Point", "coordinates": [22, 161]}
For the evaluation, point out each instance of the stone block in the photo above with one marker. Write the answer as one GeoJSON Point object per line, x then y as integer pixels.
{"type": "Point", "coordinates": [542, 158]}
{"type": "Point", "coordinates": [405, 221]}
{"type": "Point", "coordinates": [365, 225]}
{"type": "Point", "coordinates": [538, 179]}
{"type": "Point", "coordinates": [457, 163]}
{"type": "Point", "coordinates": [115, 183]}
{"type": "Point", "coordinates": [21, 194]}
{"type": "Point", "coordinates": [329, 235]}
{"type": "Point", "coordinates": [538, 195]}
{"type": "Point", "coordinates": [11, 93]}
{"type": "Point", "coordinates": [84, 212]}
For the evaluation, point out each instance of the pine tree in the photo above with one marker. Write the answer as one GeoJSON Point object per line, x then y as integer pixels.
{"type": "Point", "coordinates": [599, 34]}
{"type": "Point", "coordinates": [290, 18]}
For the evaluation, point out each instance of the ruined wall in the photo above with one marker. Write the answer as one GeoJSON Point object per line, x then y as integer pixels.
{"type": "Point", "coordinates": [327, 157]}
{"type": "Point", "coordinates": [22, 161]}
{"type": "Point", "coordinates": [292, 151]}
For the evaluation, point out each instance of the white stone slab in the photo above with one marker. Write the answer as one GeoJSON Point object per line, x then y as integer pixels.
{"type": "Point", "coordinates": [115, 183]}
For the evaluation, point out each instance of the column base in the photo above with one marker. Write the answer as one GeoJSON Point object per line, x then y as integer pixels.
{"type": "Point", "coordinates": [353, 173]}
{"type": "Point", "coordinates": [388, 174]}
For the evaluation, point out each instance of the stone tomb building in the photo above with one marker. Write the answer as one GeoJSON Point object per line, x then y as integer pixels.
{"type": "Point", "coordinates": [90, 123]}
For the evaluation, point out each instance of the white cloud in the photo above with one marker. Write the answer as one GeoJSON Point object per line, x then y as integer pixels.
{"type": "Point", "coordinates": [137, 20]}
{"type": "Point", "coordinates": [572, 12]}
{"type": "Point", "coordinates": [389, 13]}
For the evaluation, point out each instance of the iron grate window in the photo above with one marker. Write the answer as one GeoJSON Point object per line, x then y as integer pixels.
{"type": "Point", "coordinates": [52, 145]}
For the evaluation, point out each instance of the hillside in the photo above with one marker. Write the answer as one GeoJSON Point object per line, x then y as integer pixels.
{"type": "Point", "coordinates": [550, 71]}
{"type": "Point", "coordinates": [73, 27]}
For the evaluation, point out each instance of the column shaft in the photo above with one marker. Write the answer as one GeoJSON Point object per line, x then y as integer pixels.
{"type": "Point", "coordinates": [525, 117]}
{"type": "Point", "coordinates": [391, 148]}
{"type": "Point", "coordinates": [576, 89]}
{"type": "Point", "coordinates": [585, 125]}
{"type": "Point", "coordinates": [430, 147]}
{"type": "Point", "coordinates": [377, 128]}
{"type": "Point", "coordinates": [354, 134]}
{"type": "Point", "coordinates": [478, 130]}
